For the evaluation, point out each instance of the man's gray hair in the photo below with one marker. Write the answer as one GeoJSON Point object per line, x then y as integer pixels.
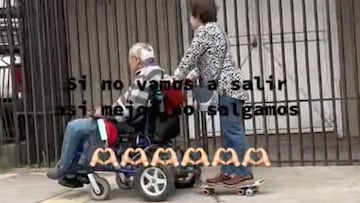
{"type": "Point", "coordinates": [142, 50]}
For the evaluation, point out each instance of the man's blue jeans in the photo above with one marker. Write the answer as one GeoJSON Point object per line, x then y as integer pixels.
{"type": "Point", "coordinates": [233, 134]}
{"type": "Point", "coordinates": [75, 134]}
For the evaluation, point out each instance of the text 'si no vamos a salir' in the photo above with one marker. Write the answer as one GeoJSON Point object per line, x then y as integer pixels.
{"type": "Point", "coordinates": [256, 84]}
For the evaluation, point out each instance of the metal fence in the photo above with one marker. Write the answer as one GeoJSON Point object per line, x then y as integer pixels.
{"type": "Point", "coordinates": [33, 87]}
{"type": "Point", "coordinates": [304, 52]}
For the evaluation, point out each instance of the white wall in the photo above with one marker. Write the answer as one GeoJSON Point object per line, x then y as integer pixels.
{"type": "Point", "coordinates": [6, 89]}
{"type": "Point", "coordinates": [5, 73]}
{"type": "Point", "coordinates": [3, 3]}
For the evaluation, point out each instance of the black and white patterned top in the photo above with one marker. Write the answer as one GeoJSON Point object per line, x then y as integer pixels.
{"type": "Point", "coordinates": [205, 55]}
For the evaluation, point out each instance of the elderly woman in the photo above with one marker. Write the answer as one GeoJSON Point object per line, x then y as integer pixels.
{"type": "Point", "coordinates": [209, 54]}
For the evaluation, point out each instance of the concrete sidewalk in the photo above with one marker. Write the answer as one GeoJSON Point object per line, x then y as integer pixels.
{"type": "Point", "coordinates": [287, 185]}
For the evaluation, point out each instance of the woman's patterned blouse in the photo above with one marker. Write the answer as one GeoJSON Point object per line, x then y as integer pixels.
{"type": "Point", "coordinates": [206, 55]}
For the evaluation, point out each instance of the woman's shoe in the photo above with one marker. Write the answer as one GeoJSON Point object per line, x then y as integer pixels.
{"type": "Point", "coordinates": [234, 180]}
{"type": "Point", "coordinates": [218, 179]}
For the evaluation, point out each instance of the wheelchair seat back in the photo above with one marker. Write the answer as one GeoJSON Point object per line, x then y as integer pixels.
{"type": "Point", "coordinates": [155, 122]}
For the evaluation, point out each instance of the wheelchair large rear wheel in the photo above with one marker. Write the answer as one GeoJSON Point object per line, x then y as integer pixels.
{"type": "Point", "coordinates": [155, 183]}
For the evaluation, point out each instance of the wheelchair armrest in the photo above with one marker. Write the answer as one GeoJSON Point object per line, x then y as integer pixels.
{"type": "Point", "coordinates": [138, 121]}
{"type": "Point", "coordinates": [124, 128]}
{"type": "Point", "coordinates": [103, 117]}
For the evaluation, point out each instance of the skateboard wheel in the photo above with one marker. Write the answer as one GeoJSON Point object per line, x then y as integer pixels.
{"type": "Point", "coordinates": [206, 192]}
{"type": "Point", "coordinates": [249, 192]}
{"type": "Point", "coordinates": [240, 192]}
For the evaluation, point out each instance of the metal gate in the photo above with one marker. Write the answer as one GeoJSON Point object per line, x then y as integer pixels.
{"type": "Point", "coordinates": [306, 59]}
{"type": "Point", "coordinates": [303, 46]}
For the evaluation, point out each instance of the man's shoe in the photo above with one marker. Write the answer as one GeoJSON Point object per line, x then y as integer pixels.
{"type": "Point", "coordinates": [54, 173]}
{"type": "Point", "coordinates": [71, 183]}
{"type": "Point", "coordinates": [238, 179]}
{"type": "Point", "coordinates": [218, 179]}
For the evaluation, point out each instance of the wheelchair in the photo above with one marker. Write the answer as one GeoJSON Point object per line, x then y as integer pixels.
{"type": "Point", "coordinates": [148, 131]}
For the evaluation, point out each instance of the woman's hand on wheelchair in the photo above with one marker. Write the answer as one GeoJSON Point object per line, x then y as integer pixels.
{"type": "Point", "coordinates": [97, 112]}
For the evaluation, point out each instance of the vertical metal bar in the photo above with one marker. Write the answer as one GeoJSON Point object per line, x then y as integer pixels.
{"type": "Point", "coordinates": [24, 87]}
{"type": "Point", "coordinates": [332, 75]}
{"type": "Point", "coordinates": [2, 127]}
{"type": "Point", "coordinates": [67, 25]}
{"type": "Point", "coordinates": [237, 33]}
{"type": "Point", "coordinates": [78, 46]}
{"type": "Point", "coordinates": [166, 12]}
{"type": "Point", "coordinates": [117, 37]}
{"type": "Point", "coordinates": [259, 36]}
{"type": "Point", "coordinates": [196, 126]}
{"type": "Point", "coordinates": [213, 132]}
{"type": "Point", "coordinates": [157, 32]}
{"type": "Point", "coordinates": [198, 114]}
{"type": "Point", "coordinates": [213, 129]}
{"type": "Point", "coordinates": [98, 50]}
{"type": "Point", "coordinates": [12, 67]}
{"type": "Point", "coordinates": [146, 24]}
{"type": "Point", "coordinates": [197, 117]}
{"type": "Point", "coordinates": [48, 23]}
{"type": "Point", "coordinates": [184, 24]}
{"type": "Point", "coordinates": [40, 38]}
{"type": "Point", "coordinates": [31, 19]}
{"type": "Point", "coordinates": [225, 16]}
{"type": "Point", "coordinates": [5, 90]}
{"type": "Point", "coordinates": [187, 131]}
{"type": "Point", "coordinates": [108, 47]}
{"type": "Point", "coordinates": [88, 51]}
{"type": "Point", "coordinates": [15, 88]}
{"type": "Point", "coordinates": [297, 80]}
{"type": "Point", "coordinates": [356, 65]}
{"type": "Point", "coordinates": [226, 30]}
{"type": "Point", "coordinates": [320, 79]}
{"type": "Point", "coordinates": [136, 21]}
{"type": "Point", "coordinates": [179, 30]}
{"type": "Point", "coordinates": [185, 118]}
{"type": "Point", "coordinates": [272, 63]}
{"type": "Point", "coordinates": [308, 79]}
{"type": "Point", "coordinates": [344, 80]}
{"type": "Point", "coordinates": [285, 75]}
{"type": "Point", "coordinates": [204, 132]}
{"type": "Point", "coordinates": [248, 34]}
{"type": "Point", "coordinates": [168, 35]}
{"type": "Point", "coordinates": [127, 33]}
{"type": "Point", "coordinates": [58, 61]}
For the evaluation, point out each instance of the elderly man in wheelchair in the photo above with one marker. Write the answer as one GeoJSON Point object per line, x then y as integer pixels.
{"type": "Point", "coordinates": [134, 129]}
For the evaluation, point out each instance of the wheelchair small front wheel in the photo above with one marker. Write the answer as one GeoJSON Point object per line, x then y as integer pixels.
{"type": "Point", "coordinates": [191, 178]}
{"type": "Point", "coordinates": [155, 183]}
{"type": "Point", "coordinates": [125, 185]}
{"type": "Point", "coordinates": [104, 189]}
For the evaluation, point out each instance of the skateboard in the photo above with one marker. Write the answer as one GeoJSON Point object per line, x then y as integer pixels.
{"type": "Point", "coordinates": [247, 188]}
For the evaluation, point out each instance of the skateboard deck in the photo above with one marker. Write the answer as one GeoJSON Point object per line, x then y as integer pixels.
{"type": "Point", "coordinates": [247, 188]}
